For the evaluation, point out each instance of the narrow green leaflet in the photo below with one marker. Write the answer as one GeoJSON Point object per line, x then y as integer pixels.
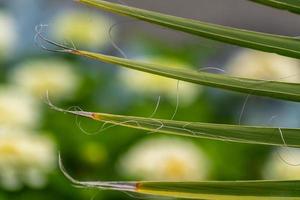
{"type": "Point", "coordinates": [224, 190]}
{"type": "Point", "coordinates": [290, 5]}
{"type": "Point", "coordinates": [205, 190]}
{"type": "Point", "coordinates": [283, 45]}
{"type": "Point", "coordinates": [274, 89]}
{"type": "Point", "coordinates": [224, 132]}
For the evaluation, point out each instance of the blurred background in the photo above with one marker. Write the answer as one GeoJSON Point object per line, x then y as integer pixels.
{"type": "Point", "coordinates": [32, 134]}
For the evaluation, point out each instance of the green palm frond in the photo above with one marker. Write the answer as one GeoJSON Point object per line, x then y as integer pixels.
{"type": "Point", "coordinates": [290, 5]}
{"type": "Point", "coordinates": [284, 45]}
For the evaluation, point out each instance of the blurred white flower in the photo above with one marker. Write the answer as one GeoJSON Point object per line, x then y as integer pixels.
{"type": "Point", "coordinates": [150, 84]}
{"type": "Point", "coordinates": [284, 163]}
{"type": "Point", "coordinates": [165, 159]}
{"type": "Point", "coordinates": [265, 66]}
{"type": "Point", "coordinates": [42, 75]}
{"type": "Point", "coordinates": [84, 28]}
{"type": "Point", "coordinates": [8, 34]}
{"type": "Point", "coordinates": [18, 108]}
{"type": "Point", "coordinates": [25, 158]}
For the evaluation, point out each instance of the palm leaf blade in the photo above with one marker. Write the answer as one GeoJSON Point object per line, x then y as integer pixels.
{"type": "Point", "coordinates": [290, 5]}
{"type": "Point", "coordinates": [224, 132]}
{"type": "Point", "coordinates": [283, 45]}
{"type": "Point", "coordinates": [224, 190]}
{"type": "Point", "coordinates": [274, 89]}
{"type": "Point", "coordinates": [206, 190]}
